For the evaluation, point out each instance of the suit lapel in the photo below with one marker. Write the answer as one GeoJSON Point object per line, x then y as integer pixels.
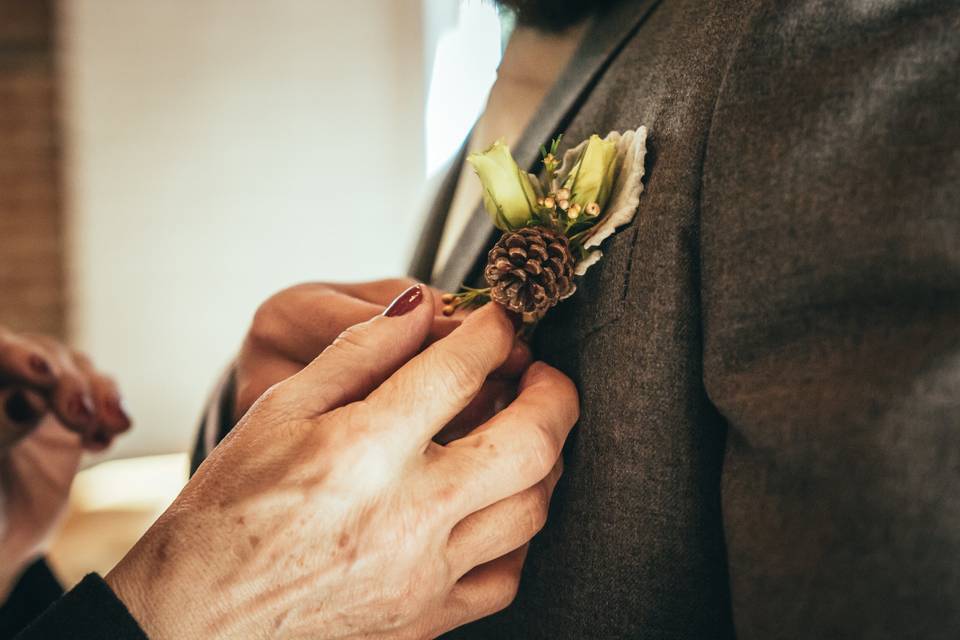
{"type": "Point", "coordinates": [603, 39]}
{"type": "Point", "coordinates": [421, 267]}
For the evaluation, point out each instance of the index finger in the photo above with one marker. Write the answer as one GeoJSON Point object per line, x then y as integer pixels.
{"type": "Point", "coordinates": [300, 322]}
{"type": "Point", "coordinates": [515, 449]}
{"type": "Point", "coordinates": [433, 387]}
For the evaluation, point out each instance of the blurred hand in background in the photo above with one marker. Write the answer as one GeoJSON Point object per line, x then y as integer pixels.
{"type": "Point", "coordinates": [53, 405]}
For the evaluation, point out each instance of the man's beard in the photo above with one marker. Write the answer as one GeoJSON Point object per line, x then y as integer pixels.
{"type": "Point", "coordinates": [554, 15]}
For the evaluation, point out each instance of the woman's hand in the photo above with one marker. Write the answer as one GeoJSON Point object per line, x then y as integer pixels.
{"type": "Point", "coordinates": [294, 326]}
{"type": "Point", "coordinates": [53, 404]}
{"type": "Point", "coordinates": [330, 512]}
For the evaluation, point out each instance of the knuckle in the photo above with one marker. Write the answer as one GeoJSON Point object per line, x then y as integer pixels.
{"type": "Point", "coordinates": [569, 399]}
{"type": "Point", "coordinates": [273, 397]}
{"type": "Point", "coordinates": [280, 313]}
{"type": "Point", "coordinates": [267, 323]}
{"type": "Point", "coordinates": [352, 339]}
{"type": "Point", "coordinates": [360, 455]}
{"type": "Point", "coordinates": [544, 447]}
{"type": "Point", "coordinates": [462, 372]}
{"type": "Point", "coordinates": [561, 389]}
{"type": "Point", "coordinates": [535, 510]}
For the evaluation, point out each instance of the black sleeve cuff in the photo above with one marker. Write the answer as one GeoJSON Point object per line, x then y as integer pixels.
{"type": "Point", "coordinates": [36, 588]}
{"type": "Point", "coordinates": [90, 611]}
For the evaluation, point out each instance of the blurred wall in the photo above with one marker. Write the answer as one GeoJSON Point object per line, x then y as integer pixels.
{"type": "Point", "coordinates": [217, 151]}
{"type": "Point", "coordinates": [31, 224]}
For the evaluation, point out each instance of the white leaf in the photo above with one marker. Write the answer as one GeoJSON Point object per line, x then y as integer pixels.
{"type": "Point", "coordinates": [592, 258]}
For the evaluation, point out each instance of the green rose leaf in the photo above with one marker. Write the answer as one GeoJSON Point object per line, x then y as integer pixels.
{"type": "Point", "coordinates": [591, 178]}
{"type": "Point", "coordinates": [508, 196]}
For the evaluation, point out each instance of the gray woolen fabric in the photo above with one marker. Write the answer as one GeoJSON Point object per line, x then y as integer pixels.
{"type": "Point", "coordinates": [769, 357]}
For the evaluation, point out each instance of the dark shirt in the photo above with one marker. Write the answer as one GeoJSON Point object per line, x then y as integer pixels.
{"type": "Point", "coordinates": [38, 609]}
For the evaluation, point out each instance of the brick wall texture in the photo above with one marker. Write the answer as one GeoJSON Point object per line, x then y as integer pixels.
{"type": "Point", "coordinates": [31, 222]}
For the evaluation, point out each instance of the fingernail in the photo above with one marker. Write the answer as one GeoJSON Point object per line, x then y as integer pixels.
{"type": "Point", "coordinates": [40, 366]}
{"type": "Point", "coordinates": [114, 407]}
{"type": "Point", "coordinates": [405, 302]}
{"type": "Point", "coordinates": [23, 408]}
{"type": "Point", "coordinates": [81, 406]}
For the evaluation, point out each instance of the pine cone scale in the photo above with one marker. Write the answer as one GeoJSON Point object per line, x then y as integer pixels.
{"type": "Point", "coordinates": [530, 270]}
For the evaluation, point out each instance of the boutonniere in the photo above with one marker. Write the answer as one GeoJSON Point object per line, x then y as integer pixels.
{"type": "Point", "coordinates": [553, 224]}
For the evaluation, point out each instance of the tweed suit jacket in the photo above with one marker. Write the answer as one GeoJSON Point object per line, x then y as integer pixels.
{"type": "Point", "coordinates": [769, 356]}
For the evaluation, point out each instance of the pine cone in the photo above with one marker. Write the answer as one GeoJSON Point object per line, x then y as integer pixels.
{"type": "Point", "coordinates": [530, 270]}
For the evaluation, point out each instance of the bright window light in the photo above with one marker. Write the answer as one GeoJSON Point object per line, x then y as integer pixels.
{"type": "Point", "coordinates": [465, 65]}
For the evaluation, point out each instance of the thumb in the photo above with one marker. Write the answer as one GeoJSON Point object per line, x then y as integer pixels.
{"type": "Point", "coordinates": [20, 412]}
{"type": "Point", "coordinates": [364, 355]}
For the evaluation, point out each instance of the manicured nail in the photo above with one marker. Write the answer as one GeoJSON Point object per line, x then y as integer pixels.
{"type": "Point", "coordinates": [39, 366]}
{"type": "Point", "coordinates": [114, 407]}
{"type": "Point", "coordinates": [405, 302]}
{"type": "Point", "coordinates": [81, 406]}
{"type": "Point", "coordinates": [23, 408]}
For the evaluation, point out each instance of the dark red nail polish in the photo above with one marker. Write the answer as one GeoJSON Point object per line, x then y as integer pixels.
{"type": "Point", "coordinates": [405, 302]}
{"type": "Point", "coordinates": [21, 410]}
{"type": "Point", "coordinates": [81, 406]}
{"type": "Point", "coordinates": [39, 366]}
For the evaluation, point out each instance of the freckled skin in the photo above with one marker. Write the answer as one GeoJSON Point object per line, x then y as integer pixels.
{"type": "Point", "coordinates": [345, 521]}
{"type": "Point", "coordinates": [162, 555]}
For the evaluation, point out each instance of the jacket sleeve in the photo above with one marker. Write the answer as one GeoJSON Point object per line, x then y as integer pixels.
{"type": "Point", "coordinates": [90, 611]}
{"type": "Point", "coordinates": [830, 285]}
{"type": "Point", "coordinates": [35, 590]}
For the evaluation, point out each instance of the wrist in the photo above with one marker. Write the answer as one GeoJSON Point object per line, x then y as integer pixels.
{"type": "Point", "coordinates": [155, 593]}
